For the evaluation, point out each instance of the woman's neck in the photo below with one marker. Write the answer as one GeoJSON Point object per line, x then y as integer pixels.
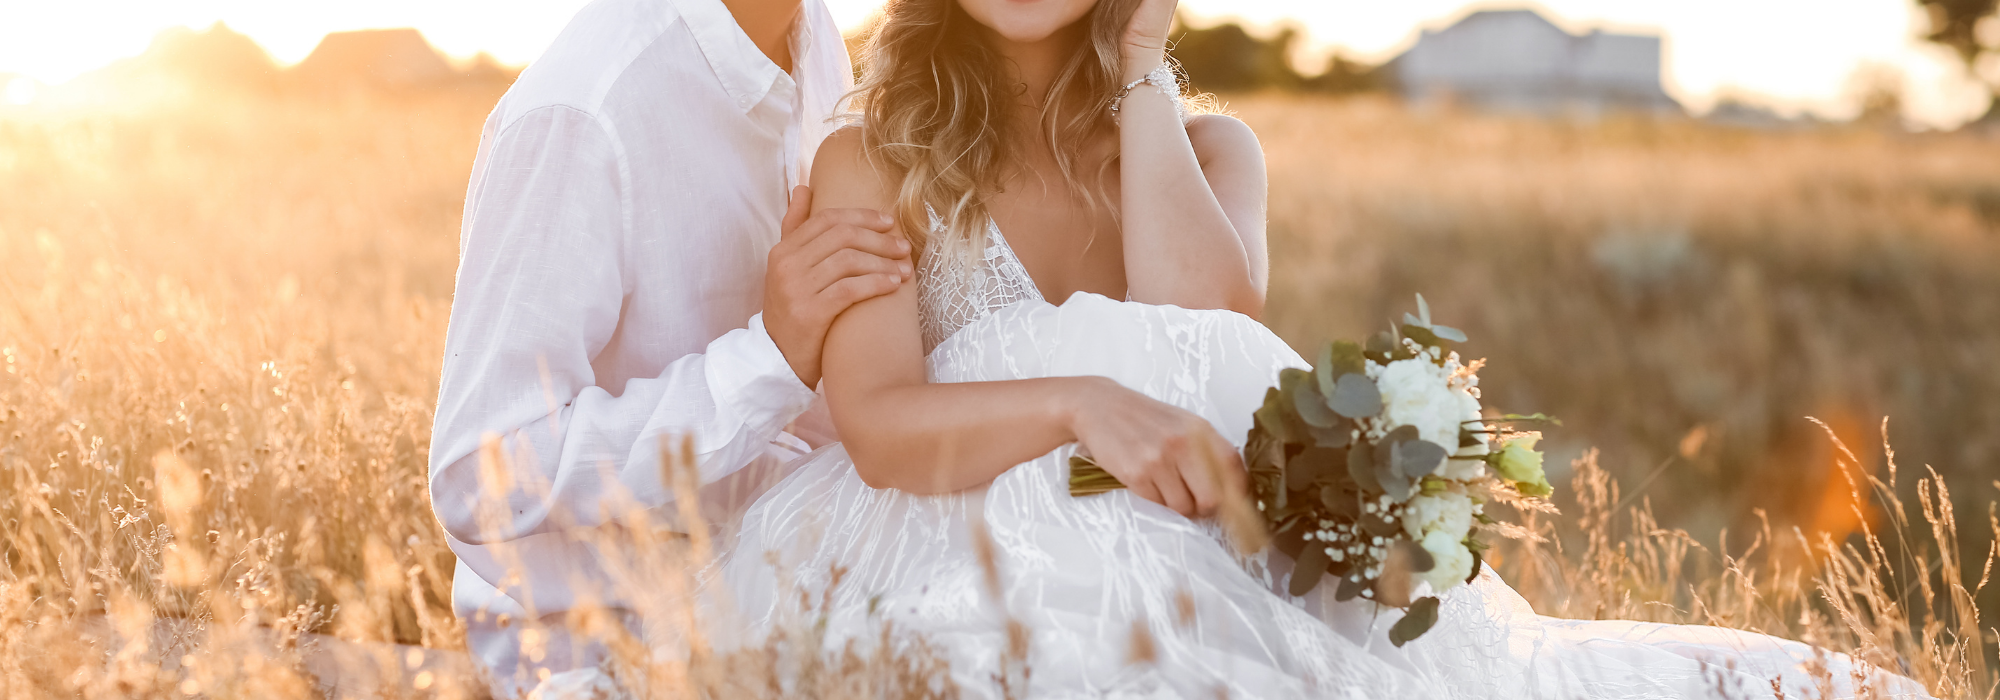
{"type": "Point", "coordinates": [1034, 65]}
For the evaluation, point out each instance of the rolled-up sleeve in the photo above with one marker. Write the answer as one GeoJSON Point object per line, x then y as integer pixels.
{"type": "Point", "coordinates": [540, 288]}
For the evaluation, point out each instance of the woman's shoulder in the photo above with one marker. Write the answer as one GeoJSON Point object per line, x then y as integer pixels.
{"type": "Point", "coordinates": [1221, 136]}
{"type": "Point", "coordinates": [842, 163]}
{"type": "Point", "coordinates": [841, 152]}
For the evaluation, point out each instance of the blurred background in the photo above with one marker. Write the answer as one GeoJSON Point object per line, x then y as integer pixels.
{"type": "Point", "coordinates": [228, 230]}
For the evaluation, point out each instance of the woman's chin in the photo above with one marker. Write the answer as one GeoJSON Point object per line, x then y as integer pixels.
{"type": "Point", "coordinates": [1027, 21]}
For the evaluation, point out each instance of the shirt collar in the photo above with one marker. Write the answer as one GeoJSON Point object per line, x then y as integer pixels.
{"type": "Point", "coordinates": [746, 73]}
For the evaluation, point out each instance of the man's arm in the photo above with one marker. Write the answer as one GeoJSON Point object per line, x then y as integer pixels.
{"type": "Point", "coordinates": [539, 294]}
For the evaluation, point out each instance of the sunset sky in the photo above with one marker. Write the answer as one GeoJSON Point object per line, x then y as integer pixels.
{"type": "Point", "coordinates": [1793, 54]}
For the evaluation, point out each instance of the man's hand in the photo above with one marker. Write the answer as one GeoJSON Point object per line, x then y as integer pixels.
{"type": "Point", "coordinates": [823, 264]}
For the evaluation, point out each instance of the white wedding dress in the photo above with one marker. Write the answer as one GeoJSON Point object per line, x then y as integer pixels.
{"type": "Point", "coordinates": [1080, 573]}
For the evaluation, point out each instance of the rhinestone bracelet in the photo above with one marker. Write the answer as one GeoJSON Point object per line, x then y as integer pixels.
{"type": "Point", "coordinates": [1162, 77]}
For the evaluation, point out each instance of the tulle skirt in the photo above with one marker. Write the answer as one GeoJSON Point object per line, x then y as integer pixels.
{"type": "Point", "coordinates": [1120, 597]}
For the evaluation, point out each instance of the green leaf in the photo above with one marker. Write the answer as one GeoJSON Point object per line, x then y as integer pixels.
{"type": "Point", "coordinates": [1350, 587]}
{"type": "Point", "coordinates": [1361, 467]}
{"type": "Point", "coordinates": [1423, 309]}
{"type": "Point", "coordinates": [1536, 418]}
{"type": "Point", "coordinates": [1310, 567]}
{"type": "Point", "coordinates": [1290, 541]}
{"type": "Point", "coordinates": [1477, 561]}
{"type": "Point", "coordinates": [1335, 437]}
{"type": "Point", "coordinates": [1448, 333]}
{"type": "Point", "coordinates": [1301, 468]}
{"type": "Point", "coordinates": [1271, 417]}
{"type": "Point", "coordinates": [1422, 335]}
{"type": "Point", "coordinates": [1312, 406]}
{"type": "Point", "coordinates": [1322, 464]}
{"type": "Point", "coordinates": [1289, 379]}
{"type": "Point", "coordinates": [1375, 525]}
{"type": "Point", "coordinates": [1402, 434]}
{"type": "Point", "coordinates": [1421, 616]}
{"type": "Point", "coordinates": [1398, 487]}
{"type": "Point", "coordinates": [1339, 502]}
{"type": "Point", "coordinates": [1356, 396]}
{"type": "Point", "coordinates": [1420, 558]}
{"type": "Point", "coordinates": [1345, 357]}
{"type": "Point", "coordinates": [1417, 458]}
{"type": "Point", "coordinates": [1324, 370]}
{"type": "Point", "coordinates": [1381, 347]}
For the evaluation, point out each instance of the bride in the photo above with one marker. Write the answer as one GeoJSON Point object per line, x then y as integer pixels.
{"type": "Point", "coordinates": [1036, 151]}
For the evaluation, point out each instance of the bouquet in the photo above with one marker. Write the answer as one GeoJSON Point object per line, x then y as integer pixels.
{"type": "Point", "coordinates": [1372, 470]}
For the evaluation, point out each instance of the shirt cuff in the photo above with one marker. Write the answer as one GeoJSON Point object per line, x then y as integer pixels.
{"type": "Point", "coordinates": [753, 385]}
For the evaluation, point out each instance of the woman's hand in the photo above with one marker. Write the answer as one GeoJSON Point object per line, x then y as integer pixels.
{"type": "Point", "coordinates": [1162, 453]}
{"type": "Point", "coordinates": [1146, 36]}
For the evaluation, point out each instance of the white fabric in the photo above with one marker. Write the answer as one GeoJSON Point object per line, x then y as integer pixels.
{"type": "Point", "coordinates": [626, 191]}
{"type": "Point", "coordinates": [1080, 573]}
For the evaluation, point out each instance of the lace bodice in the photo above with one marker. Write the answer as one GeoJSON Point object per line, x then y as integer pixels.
{"type": "Point", "coordinates": [953, 291]}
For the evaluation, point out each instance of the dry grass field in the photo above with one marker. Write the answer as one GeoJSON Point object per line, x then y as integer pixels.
{"type": "Point", "coordinates": [221, 332]}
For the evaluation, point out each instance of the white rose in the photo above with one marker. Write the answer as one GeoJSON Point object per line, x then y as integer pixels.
{"type": "Point", "coordinates": [1449, 513]}
{"type": "Point", "coordinates": [1416, 392]}
{"type": "Point", "coordinates": [1452, 562]}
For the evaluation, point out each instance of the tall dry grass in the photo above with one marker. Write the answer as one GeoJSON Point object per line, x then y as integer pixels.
{"type": "Point", "coordinates": [221, 330]}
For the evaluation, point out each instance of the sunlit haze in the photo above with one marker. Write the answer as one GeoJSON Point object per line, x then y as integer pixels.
{"type": "Point", "coordinates": [1792, 54]}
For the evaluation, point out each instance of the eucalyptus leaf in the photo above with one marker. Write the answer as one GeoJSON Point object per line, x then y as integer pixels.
{"type": "Point", "coordinates": [1289, 379]}
{"type": "Point", "coordinates": [1339, 502]}
{"type": "Point", "coordinates": [1420, 559]}
{"type": "Point", "coordinates": [1398, 487]}
{"type": "Point", "coordinates": [1350, 587]}
{"type": "Point", "coordinates": [1382, 345]}
{"type": "Point", "coordinates": [1291, 541]}
{"type": "Point", "coordinates": [1312, 406]}
{"type": "Point", "coordinates": [1303, 467]}
{"type": "Point", "coordinates": [1323, 463]}
{"type": "Point", "coordinates": [1402, 433]}
{"type": "Point", "coordinates": [1417, 458]}
{"type": "Point", "coordinates": [1311, 565]}
{"type": "Point", "coordinates": [1271, 417]}
{"type": "Point", "coordinates": [1345, 358]}
{"type": "Point", "coordinates": [1423, 310]}
{"type": "Point", "coordinates": [1422, 335]}
{"type": "Point", "coordinates": [1361, 467]}
{"type": "Point", "coordinates": [1377, 526]}
{"type": "Point", "coordinates": [1449, 333]}
{"type": "Point", "coordinates": [1325, 370]}
{"type": "Point", "coordinates": [1335, 437]}
{"type": "Point", "coordinates": [1421, 616]}
{"type": "Point", "coordinates": [1356, 396]}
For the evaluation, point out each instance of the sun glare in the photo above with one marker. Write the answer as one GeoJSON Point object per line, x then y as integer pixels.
{"type": "Point", "coordinates": [20, 91]}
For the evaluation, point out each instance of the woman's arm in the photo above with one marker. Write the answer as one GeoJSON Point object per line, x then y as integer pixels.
{"type": "Point", "coordinates": [906, 433]}
{"type": "Point", "coordinates": [1193, 195]}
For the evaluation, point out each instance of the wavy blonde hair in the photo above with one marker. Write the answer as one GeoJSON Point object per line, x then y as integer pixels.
{"type": "Point", "coordinates": [934, 105]}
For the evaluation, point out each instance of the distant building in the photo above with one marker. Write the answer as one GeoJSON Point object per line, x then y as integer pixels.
{"type": "Point", "coordinates": [1518, 60]}
{"type": "Point", "coordinates": [379, 58]}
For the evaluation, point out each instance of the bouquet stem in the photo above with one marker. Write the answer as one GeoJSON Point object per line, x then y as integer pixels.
{"type": "Point", "coordinates": [1086, 478]}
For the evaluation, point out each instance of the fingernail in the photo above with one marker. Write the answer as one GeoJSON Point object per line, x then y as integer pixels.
{"type": "Point", "coordinates": [905, 267]}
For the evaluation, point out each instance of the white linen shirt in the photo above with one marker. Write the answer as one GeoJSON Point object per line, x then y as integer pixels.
{"type": "Point", "coordinates": [626, 191]}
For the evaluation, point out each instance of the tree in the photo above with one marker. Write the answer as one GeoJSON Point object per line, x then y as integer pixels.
{"type": "Point", "coordinates": [1955, 24]}
{"type": "Point", "coordinates": [1225, 58]}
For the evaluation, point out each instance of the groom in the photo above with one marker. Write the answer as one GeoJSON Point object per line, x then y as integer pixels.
{"type": "Point", "coordinates": [626, 223]}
